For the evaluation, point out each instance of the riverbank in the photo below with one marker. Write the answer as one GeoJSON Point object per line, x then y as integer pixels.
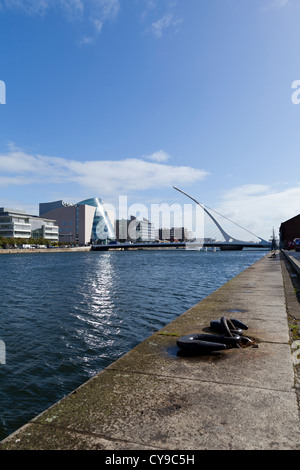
{"type": "Point", "coordinates": [156, 398]}
{"type": "Point", "coordinates": [76, 249]}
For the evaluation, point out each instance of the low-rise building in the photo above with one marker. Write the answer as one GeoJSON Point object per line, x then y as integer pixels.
{"type": "Point", "coordinates": [135, 230]}
{"type": "Point", "coordinates": [289, 230]}
{"type": "Point", "coordinates": [173, 234]}
{"type": "Point", "coordinates": [121, 228]}
{"type": "Point", "coordinates": [15, 223]}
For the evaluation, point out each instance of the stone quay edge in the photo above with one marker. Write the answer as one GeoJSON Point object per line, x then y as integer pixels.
{"type": "Point", "coordinates": [156, 397]}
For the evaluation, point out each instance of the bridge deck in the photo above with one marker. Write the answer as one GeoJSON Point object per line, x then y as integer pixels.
{"type": "Point", "coordinates": [179, 245]}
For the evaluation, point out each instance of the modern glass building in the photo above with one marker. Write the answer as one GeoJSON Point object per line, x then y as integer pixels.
{"type": "Point", "coordinates": [83, 223]}
{"type": "Point", "coordinates": [102, 228]}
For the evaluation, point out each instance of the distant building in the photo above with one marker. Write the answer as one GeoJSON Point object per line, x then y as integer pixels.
{"type": "Point", "coordinates": [15, 223]}
{"type": "Point", "coordinates": [289, 230]}
{"type": "Point", "coordinates": [163, 234]}
{"type": "Point", "coordinates": [83, 223]}
{"type": "Point", "coordinates": [135, 230]}
{"type": "Point", "coordinates": [141, 230]}
{"type": "Point", "coordinates": [121, 227]}
{"type": "Point", "coordinates": [173, 234]}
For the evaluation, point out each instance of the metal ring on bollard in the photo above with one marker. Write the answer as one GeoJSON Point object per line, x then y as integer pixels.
{"type": "Point", "coordinates": [228, 327]}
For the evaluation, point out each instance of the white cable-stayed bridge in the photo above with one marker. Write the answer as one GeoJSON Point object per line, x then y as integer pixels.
{"type": "Point", "coordinates": [203, 227]}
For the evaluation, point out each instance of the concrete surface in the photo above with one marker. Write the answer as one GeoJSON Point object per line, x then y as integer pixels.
{"type": "Point", "coordinates": [291, 278]}
{"type": "Point", "coordinates": [294, 259]}
{"type": "Point", "coordinates": [155, 397]}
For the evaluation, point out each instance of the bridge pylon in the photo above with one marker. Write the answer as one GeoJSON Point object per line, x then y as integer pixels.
{"type": "Point", "coordinates": [230, 242]}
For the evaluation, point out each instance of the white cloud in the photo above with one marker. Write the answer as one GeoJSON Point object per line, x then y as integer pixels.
{"type": "Point", "coordinates": [95, 9]}
{"type": "Point", "coordinates": [105, 8]}
{"type": "Point", "coordinates": [108, 177]}
{"type": "Point", "coordinates": [150, 5]}
{"type": "Point", "coordinates": [72, 8]}
{"type": "Point", "coordinates": [93, 12]}
{"type": "Point", "coordinates": [246, 190]}
{"type": "Point", "coordinates": [259, 208]}
{"type": "Point", "coordinates": [131, 175]}
{"type": "Point", "coordinates": [159, 156]}
{"type": "Point", "coordinates": [98, 25]}
{"type": "Point", "coordinates": [276, 4]}
{"type": "Point", "coordinates": [168, 21]}
{"type": "Point", "coordinates": [281, 3]}
{"type": "Point", "coordinates": [31, 7]}
{"type": "Point", "coordinates": [86, 40]}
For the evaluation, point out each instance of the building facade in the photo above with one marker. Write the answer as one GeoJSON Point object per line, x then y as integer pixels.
{"type": "Point", "coordinates": [16, 223]}
{"type": "Point", "coordinates": [135, 230]}
{"type": "Point", "coordinates": [289, 230]}
{"type": "Point", "coordinates": [121, 228]}
{"type": "Point", "coordinates": [173, 234]}
{"type": "Point", "coordinates": [85, 222]}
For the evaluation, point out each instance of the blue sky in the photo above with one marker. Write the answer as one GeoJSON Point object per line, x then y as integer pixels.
{"type": "Point", "coordinates": [106, 98]}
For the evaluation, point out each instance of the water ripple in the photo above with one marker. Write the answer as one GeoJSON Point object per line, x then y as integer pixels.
{"type": "Point", "coordinates": [65, 317]}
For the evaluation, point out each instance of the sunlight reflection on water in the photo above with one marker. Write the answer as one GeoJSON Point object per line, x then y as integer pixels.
{"type": "Point", "coordinates": [65, 316]}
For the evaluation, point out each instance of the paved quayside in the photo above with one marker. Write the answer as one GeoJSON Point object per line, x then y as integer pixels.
{"type": "Point", "coordinates": [155, 398]}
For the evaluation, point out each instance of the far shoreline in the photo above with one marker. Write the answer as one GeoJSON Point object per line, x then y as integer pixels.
{"type": "Point", "coordinates": [44, 250]}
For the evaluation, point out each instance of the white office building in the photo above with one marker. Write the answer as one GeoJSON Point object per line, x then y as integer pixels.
{"type": "Point", "coordinates": [141, 230]}
{"type": "Point", "coordinates": [15, 223]}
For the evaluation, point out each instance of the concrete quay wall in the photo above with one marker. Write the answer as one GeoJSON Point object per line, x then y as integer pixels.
{"type": "Point", "coordinates": [44, 250]}
{"type": "Point", "coordinates": [155, 397]}
{"type": "Point", "coordinates": [293, 258]}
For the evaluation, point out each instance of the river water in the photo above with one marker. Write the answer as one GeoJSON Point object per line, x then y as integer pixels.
{"type": "Point", "coordinates": [67, 316]}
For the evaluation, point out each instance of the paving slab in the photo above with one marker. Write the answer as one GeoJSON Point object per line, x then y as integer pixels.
{"type": "Point", "coordinates": [158, 397]}
{"type": "Point", "coordinates": [265, 323]}
{"type": "Point", "coordinates": [267, 367]}
{"type": "Point", "coordinates": [153, 411]}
